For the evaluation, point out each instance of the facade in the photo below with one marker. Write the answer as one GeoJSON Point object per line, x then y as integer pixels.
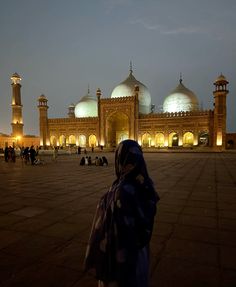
{"type": "Point", "coordinates": [128, 113]}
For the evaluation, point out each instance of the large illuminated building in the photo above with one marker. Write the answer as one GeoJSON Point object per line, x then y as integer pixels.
{"type": "Point", "coordinates": [98, 121]}
{"type": "Point", "coordinates": [128, 113]}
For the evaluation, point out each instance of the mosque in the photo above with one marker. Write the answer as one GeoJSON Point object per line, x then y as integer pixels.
{"type": "Point", "coordinates": [128, 114]}
{"type": "Point", "coordinates": [97, 121]}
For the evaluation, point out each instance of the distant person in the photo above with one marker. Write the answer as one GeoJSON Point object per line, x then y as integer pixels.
{"type": "Point", "coordinates": [82, 161]}
{"type": "Point", "coordinates": [6, 151]}
{"type": "Point", "coordinates": [79, 150]}
{"type": "Point", "coordinates": [26, 155]}
{"type": "Point", "coordinates": [104, 160]}
{"type": "Point", "coordinates": [32, 153]}
{"type": "Point", "coordinates": [118, 247]}
{"type": "Point", "coordinates": [55, 153]}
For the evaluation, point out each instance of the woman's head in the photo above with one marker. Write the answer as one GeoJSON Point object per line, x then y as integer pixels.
{"type": "Point", "coordinates": [129, 161]}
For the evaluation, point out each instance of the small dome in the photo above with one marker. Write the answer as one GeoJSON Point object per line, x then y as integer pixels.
{"type": "Point", "coordinates": [221, 80]}
{"type": "Point", "coordinates": [180, 99]}
{"type": "Point", "coordinates": [42, 98]}
{"type": "Point", "coordinates": [86, 107]}
{"type": "Point", "coordinates": [126, 89]}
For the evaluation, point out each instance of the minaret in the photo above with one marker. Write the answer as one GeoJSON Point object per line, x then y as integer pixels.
{"type": "Point", "coordinates": [100, 136]}
{"type": "Point", "coordinates": [220, 94]}
{"type": "Point", "coordinates": [43, 121]}
{"type": "Point", "coordinates": [17, 120]}
{"type": "Point", "coordinates": [71, 111]}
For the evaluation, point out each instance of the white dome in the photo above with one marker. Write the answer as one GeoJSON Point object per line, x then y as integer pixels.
{"type": "Point", "coordinates": [181, 99]}
{"type": "Point", "coordinates": [126, 89]}
{"type": "Point", "coordinates": [86, 107]}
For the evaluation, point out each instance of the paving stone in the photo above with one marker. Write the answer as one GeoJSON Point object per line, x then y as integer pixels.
{"type": "Point", "coordinates": [176, 272]}
{"type": "Point", "coordinates": [29, 211]}
{"type": "Point", "coordinates": [192, 251]}
{"type": "Point", "coordinates": [45, 220]}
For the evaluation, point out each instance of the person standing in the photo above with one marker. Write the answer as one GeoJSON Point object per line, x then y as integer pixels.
{"type": "Point", "coordinates": [32, 153]}
{"type": "Point", "coordinates": [118, 247]}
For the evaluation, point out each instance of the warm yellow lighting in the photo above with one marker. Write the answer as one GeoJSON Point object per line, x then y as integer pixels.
{"type": "Point", "coordinates": [219, 139]}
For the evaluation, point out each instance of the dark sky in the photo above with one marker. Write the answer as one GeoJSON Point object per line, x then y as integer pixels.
{"type": "Point", "coordinates": [59, 47]}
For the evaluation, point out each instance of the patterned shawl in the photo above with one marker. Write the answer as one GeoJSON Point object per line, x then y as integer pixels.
{"type": "Point", "coordinates": [124, 219]}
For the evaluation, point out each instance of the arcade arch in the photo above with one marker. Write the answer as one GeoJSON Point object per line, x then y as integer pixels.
{"type": "Point", "coordinates": [62, 140]}
{"type": "Point", "coordinates": [173, 139]}
{"type": "Point", "coordinates": [159, 140]}
{"type": "Point", "coordinates": [146, 140]}
{"type": "Point", "coordinates": [92, 141]}
{"type": "Point", "coordinates": [53, 141]}
{"type": "Point", "coordinates": [188, 139]}
{"type": "Point", "coordinates": [82, 141]}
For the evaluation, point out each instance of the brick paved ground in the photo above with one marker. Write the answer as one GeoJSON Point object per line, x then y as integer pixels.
{"type": "Point", "coordinates": [46, 213]}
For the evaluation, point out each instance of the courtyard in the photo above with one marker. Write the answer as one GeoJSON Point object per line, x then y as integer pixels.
{"type": "Point", "coordinates": [46, 212]}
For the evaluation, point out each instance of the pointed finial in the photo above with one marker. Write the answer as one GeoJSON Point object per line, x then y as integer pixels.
{"type": "Point", "coordinates": [130, 67]}
{"type": "Point", "coordinates": [88, 90]}
{"type": "Point", "coordinates": [180, 78]}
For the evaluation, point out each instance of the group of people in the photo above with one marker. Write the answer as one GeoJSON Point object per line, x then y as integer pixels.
{"type": "Point", "coordinates": [28, 155]}
{"type": "Point", "coordinates": [98, 161]}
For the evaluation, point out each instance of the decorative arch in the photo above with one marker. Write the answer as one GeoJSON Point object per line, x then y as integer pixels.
{"type": "Point", "coordinates": [173, 139]}
{"type": "Point", "coordinates": [146, 140]}
{"type": "Point", "coordinates": [159, 140]}
{"type": "Point", "coordinates": [72, 140]}
{"type": "Point", "coordinates": [92, 141]}
{"type": "Point", "coordinates": [62, 140]}
{"type": "Point", "coordinates": [82, 141]}
{"type": "Point", "coordinates": [203, 138]}
{"type": "Point", "coordinates": [53, 141]}
{"type": "Point", "coordinates": [117, 128]}
{"type": "Point", "coordinates": [188, 139]}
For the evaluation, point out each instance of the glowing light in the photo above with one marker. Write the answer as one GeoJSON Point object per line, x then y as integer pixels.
{"type": "Point", "coordinates": [219, 139]}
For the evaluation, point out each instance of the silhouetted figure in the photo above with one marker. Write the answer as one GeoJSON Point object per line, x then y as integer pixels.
{"type": "Point", "coordinates": [118, 247]}
{"type": "Point", "coordinates": [82, 161]}
{"type": "Point", "coordinates": [6, 151]}
{"type": "Point", "coordinates": [32, 153]}
{"type": "Point", "coordinates": [104, 160]}
{"type": "Point", "coordinates": [26, 155]}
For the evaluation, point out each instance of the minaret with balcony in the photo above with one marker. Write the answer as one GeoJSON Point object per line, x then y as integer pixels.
{"type": "Point", "coordinates": [220, 94]}
{"type": "Point", "coordinates": [43, 121]}
{"type": "Point", "coordinates": [17, 120]}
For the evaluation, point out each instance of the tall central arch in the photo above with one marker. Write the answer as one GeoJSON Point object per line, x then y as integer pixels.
{"type": "Point", "coordinates": [117, 129]}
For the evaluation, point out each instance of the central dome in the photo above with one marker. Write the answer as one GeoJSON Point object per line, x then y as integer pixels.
{"type": "Point", "coordinates": [86, 107]}
{"type": "Point", "coordinates": [126, 89]}
{"type": "Point", "coordinates": [180, 99]}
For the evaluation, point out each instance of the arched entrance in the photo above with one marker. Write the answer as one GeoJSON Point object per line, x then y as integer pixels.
{"type": "Point", "coordinates": [159, 140]}
{"type": "Point", "coordinates": [203, 139]}
{"type": "Point", "coordinates": [146, 140]}
{"type": "Point", "coordinates": [173, 139]}
{"type": "Point", "coordinates": [82, 141]}
{"type": "Point", "coordinates": [72, 140]}
{"type": "Point", "coordinates": [188, 139]}
{"type": "Point", "coordinates": [53, 141]}
{"type": "Point", "coordinates": [92, 141]}
{"type": "Point", "coordinates": [117, 129]}
{"type": "Point", "coordinates": [62, 140]}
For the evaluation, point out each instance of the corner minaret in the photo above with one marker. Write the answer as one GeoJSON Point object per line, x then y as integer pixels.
{"type": "Point", "coordinates": [17, 120]}
{"type": "Point", "coordinates": [43, 121]}
{"type": "Point", "coordinates": [220, 94]}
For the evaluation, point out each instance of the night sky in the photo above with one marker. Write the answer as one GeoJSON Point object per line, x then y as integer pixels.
{"type": "Point", "coordinates": [60, 47]}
